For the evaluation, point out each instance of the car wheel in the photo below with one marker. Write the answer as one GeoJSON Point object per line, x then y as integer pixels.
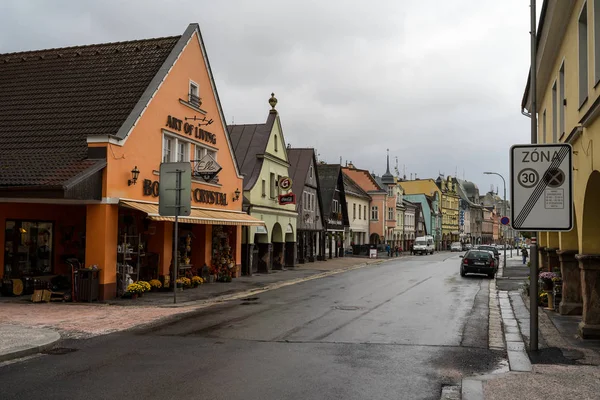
{"type": "Point", "coordinates": [462, 271]}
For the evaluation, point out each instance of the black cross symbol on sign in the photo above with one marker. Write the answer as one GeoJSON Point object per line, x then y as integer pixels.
{"type": "Point", "coordinates": [554, 177]}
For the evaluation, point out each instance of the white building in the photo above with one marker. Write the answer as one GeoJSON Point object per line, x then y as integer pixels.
{"type": "Point", "coordinates": [358, 213]}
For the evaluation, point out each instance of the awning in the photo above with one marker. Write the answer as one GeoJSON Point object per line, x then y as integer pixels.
{"type": "Point", "coordinates": [197, 216]}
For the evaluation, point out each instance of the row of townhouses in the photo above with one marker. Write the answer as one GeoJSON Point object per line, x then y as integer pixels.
{"type": "Point", "coordinates": [80, 176]}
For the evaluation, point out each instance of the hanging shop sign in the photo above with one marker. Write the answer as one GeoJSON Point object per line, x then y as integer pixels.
{"type": "Point", "coordinates": [206, 168]}
{"type": "Point", "coordinates": [289, 198]}
{"type": "Point", "coordinates": [152, 188]}
{"type": "Point", "coordinates": [190, 130]}
{"type": "Point", "coordinates": [285, 183]}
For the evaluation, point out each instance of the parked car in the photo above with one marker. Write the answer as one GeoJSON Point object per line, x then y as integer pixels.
{"type": "Point", "coordinates": [456, 246]}
{"type": "Point", "coordinates": [467, 246]}
{"type": "Point", "coordinates": [493, 249]}
{"type": "Point", "coordinates": [478, 262]}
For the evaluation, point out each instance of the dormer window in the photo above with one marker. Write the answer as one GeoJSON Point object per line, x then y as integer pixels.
{"type": "Point", "coordinates": [194, 95]}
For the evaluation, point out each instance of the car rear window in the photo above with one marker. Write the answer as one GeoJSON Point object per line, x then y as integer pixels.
{"type": "Point", "coordinates": [478, 255]}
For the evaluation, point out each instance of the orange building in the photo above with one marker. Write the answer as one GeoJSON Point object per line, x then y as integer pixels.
{"type": "Point", "coordinates": [84, 132]}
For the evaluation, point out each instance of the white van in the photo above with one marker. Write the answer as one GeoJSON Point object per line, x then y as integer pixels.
{"type": "Point", "coordinates": [423, 245]}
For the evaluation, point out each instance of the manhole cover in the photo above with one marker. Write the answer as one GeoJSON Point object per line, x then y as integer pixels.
{"type": "Point", "coordinates": [59, 351]}
{"type": "Point", "coordinates": [347, 308]}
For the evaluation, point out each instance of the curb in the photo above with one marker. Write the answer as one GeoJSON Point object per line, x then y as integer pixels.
{"type": "Point", "coordinates": [27, 350]}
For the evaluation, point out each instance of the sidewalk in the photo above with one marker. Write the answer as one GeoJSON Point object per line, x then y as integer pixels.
{"type": "Point", "coordinates": [565, 367]}
{"type": "Point", "coordinates": [35, 326]}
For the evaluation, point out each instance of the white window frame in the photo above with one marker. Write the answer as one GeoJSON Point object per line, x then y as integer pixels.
{"type": "Point", "coordinates": [375, 213]}
{"type": "Point", "coordinates": [336, 205]}
{"type": "Point", "coordinates": [193, 84]}
{"type": "Point", "coordinates": [200, 151]}
{"type": "Point", "coordinates": [390, 213]}
{"type": "Point", "coordinates": [174, 151]}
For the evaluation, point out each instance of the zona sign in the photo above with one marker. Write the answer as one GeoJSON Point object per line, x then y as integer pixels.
{"type": "Point", "coordinates": [541, 187]}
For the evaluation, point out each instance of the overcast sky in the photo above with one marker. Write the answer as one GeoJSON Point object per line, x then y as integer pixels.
{"type": "Point", "coordinates": [438, 82]}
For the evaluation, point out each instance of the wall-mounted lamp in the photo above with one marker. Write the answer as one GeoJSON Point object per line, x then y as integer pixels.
{"type": "Point", "coordinates": [236, 195]}
{"type": "Point", "coordinates": [135, 172]}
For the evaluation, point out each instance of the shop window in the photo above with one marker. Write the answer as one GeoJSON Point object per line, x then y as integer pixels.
{"type": "Point", "coordinates": [28, 248]}
{"type": "Point", "coordinates": [194, 95]}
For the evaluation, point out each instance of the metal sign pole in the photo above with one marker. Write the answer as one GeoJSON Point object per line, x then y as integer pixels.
{"type": "Point", "coordinates": [533, 289]}
{"type": "Point", "coordinates": [176, 234]}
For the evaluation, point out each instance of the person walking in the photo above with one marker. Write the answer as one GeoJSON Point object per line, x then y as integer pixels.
{"type": "Point", "coordinates": [524, 253]}
{"type": "Point", "coordinates": [387, 247]}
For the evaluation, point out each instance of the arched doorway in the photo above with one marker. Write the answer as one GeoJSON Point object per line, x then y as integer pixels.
{"type": "Point", "coordinates": [261, 252]}
{"type": "Point", "coordinates": [374, 239]}
{"type": "Point", "coordinates": [571, 300]}
{"type": "Point", "coordinates": [278, 246]}
{"type": "Point", "coordinates": [290, 246]}
{"type": "Point", "coordinates": [589, 260]}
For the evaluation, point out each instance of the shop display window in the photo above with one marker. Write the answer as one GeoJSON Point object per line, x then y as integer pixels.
{"type": "Point", "coordinates": [28, 248]}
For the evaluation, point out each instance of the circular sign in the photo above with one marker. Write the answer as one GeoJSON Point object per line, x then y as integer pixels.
{"type": "Point", "coordinates": [285, 183]}
{"type": "Point", "coordinates": [528, 177]}
{"type": "Point", "coordinates": [504, 220]}
{"type": "Point", "coordinates": [554, 177]}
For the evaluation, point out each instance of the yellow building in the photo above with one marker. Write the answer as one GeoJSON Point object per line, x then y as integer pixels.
{"type": "Point", "coordinates": [427, 187]}
{"type": "Point", "coordinates": [568, 94]}
{"type": "Point", "coordinates": [450, 211]}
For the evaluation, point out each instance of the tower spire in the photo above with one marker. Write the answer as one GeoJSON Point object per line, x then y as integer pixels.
{"type": "Point", "coordinates": [387, 171]}
{"type": "Point", "coordinates": [388, 178]}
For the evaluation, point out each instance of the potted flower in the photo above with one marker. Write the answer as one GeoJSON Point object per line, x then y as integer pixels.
{"type": "Point", "coordinates": [546, 280]}
{"type": "Point", "coordinates": [196, 280]}
{"type": "Point", "coordinates": [184, 282]}
{"type": "Point", "coordinates": [155, 285]}
{"type": "Point", "coordinates": [134, 290]}
{"type": "Point", "coordinates": [145, 286]}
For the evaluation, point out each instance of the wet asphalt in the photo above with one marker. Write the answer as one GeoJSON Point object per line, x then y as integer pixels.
{"type": "Point", "coordinates": [398, 330]}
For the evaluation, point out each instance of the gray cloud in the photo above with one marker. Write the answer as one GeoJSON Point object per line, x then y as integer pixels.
{"type": "Point", "coordinates": [438, 83]}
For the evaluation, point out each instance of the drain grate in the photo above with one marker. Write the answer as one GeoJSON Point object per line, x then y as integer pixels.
{"type": "Point", "coordinates": [59, 351]}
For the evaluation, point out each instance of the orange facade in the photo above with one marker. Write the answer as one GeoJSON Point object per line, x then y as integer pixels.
{"type": "Point", "coordinates": [103, 225]}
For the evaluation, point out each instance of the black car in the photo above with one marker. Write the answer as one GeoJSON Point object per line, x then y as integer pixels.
{"type": "Point", "coordinates": [478, 262]}
{"type": "Point", "coordinates": [493, 249]}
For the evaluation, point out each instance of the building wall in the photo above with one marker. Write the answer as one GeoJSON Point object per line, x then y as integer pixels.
{"type": "Point", "coordinates": [359, 227]}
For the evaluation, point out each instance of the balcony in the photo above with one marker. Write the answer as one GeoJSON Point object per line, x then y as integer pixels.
{"type": "Point", "coordinates": [194, 100]}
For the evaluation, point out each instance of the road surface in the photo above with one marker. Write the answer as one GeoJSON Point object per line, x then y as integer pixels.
{"type": "Point", "coordinates": [398, 330]}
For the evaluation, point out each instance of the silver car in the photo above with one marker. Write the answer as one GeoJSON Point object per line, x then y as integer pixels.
{"type": "Point", "coordinates": [456, 246]}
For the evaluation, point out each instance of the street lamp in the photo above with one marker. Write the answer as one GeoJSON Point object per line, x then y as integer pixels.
{"type": "Point", "coordinates": [503, 211]}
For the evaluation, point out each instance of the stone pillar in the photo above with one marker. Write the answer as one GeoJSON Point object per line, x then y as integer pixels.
{"type": "Point", "coordinates": [102, 222]}
{"type": "Point", "coordinates": [247, 258]}
{"type": "Point", "coordinates": [571, 303]}
{"type": "Point", "coordinates": [278, 255]}
{"type": "Point", "coordinates": [542, 259]}
{"type": "Point", "coordinates": [589, 265]}
{"type": "Point", "coordinates": [552, 259]}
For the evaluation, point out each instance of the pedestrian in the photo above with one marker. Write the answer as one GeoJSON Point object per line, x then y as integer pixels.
{"type": "Point", "coordinates": [387, 247]}
{"type": "Point", "coordinates": [397, 251]}
{"type": "Point", "coordinates": [524, 253]}
{"type": "Point", "coordinates": [412, 250]}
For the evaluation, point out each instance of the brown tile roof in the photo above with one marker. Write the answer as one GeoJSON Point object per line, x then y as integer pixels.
{"type": "Point", "coordinates": [52, 100]}
{"type": "Point", "coordinates": [249, 141]}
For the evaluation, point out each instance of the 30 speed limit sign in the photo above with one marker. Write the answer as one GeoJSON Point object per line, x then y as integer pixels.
{"type": "Point", "coordinates": [541, 187]}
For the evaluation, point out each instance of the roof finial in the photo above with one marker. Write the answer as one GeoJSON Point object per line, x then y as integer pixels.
{"type": "Point", "coordinates": [273, 101]}
{"type": "Point", "coordinates": [387, 171]}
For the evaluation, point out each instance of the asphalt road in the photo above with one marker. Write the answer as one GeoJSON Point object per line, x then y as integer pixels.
{"type": "Point", "coordinates": [399, 330]}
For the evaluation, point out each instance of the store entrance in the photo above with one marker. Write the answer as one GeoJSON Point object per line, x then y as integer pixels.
{"type": "Point", "coordinates": [28, 248]}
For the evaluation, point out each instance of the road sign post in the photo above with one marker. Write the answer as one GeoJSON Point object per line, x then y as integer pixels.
{"type": "Point", "coordinates": [174, 199]}
{"type": "Point", "coordinates": [541, 187]}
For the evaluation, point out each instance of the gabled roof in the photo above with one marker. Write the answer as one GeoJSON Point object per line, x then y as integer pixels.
{"type": "Point", "coordinates": [378, 187]}
{"type": "Point", "coordinates": [353, 189]}
{"type": "Point", "coordinates": [329, 175]}
{"type": "Point", "coordinates": [249, 141]}
{"type": "Point", "coordinates": [52, 100]}
{"type": "Point", "coordinates": [300, 161]}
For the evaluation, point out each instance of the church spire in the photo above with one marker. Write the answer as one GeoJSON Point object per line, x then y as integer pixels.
{"type": "Point", "coordinates": [388, 178]}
